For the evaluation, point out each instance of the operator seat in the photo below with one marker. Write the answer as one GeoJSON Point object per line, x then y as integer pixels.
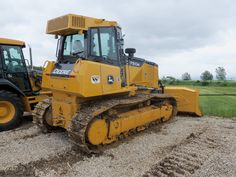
{"type": "Point", "coordinates": [77, 47]}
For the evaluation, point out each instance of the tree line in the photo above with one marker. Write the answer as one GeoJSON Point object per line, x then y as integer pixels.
{"type": "Point", "coordinates": [205, 76]}
{"type": "Point", "coordinates": [208, 76]}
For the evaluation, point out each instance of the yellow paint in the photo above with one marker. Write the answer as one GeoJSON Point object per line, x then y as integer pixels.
{"type": "Point", "coordinates": [81, 83]}
{"type": "Point", "coordinates": [70, 92]}
{"type": "Point", "coordinates": [187, 99]}
{"type": "Point", "coordinates": [97, 132]}
{"type": "Point", "coordinates": [12, 42]}
{"type": "Point", "coordinates": [136, 118]}
{"type": "Point", "coordinates": [146, 75]}
{"type": "Point", "coordinates": [64, 107]}
{"type": "Point", "coordinates": [72, 23]}
{"type": "Point", "coordinates": [33, 100]}
{"type": "Point", "coordinates": [109, 70]}
{"type": "Point", "coordinates": [101, 131]}
{"type": "Point", "coordinates": [7, 112]}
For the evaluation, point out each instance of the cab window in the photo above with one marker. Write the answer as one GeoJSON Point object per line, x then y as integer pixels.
{"type": "Point", "coordinates": [13, 59]}
{"type": "Point", "coordinates": [103, 43]}
{"type": "Point", "coordinates": [108, 46]}
{"type": "Point", "coordinates": [94, 42]}
{"type": "Point", "coordinates": [74, 45]}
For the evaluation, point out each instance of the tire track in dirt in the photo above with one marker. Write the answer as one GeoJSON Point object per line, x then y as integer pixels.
{"type": "Point", "coordinates": [188, 156]}
{"type": "Point", "coordinates": [136, 155]}
{"type": "Point", "coordinates": [21, 133]}
{"type": "Point", "coordinates": [32, 149]}
{"type": "Point", "coordinates": [58, 162]}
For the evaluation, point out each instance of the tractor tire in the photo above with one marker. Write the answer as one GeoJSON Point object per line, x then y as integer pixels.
{"type": "Point", "coordinates": [11, 110]}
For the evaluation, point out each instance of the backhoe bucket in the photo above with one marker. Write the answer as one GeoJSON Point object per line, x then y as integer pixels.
{"type": "Point", "coordinates": [187, 99]}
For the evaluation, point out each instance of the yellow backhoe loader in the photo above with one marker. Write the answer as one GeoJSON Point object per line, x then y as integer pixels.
{"type": "Point", "coordinates": [99, 94]}
{"type": "Point", "coordinates": [19, 85]}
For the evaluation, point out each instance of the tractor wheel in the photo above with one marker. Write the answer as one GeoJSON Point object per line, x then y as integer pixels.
{"type": "Point", "coordinates": [11, 110]}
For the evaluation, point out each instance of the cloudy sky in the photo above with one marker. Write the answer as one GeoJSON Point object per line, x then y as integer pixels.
{"type": "Point", "coordinates": [180, 35]}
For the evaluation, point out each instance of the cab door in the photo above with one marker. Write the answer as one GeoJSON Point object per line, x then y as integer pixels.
{"type": "Point", "coordinates": [110, 78]}
{"type": "Point", "coordinates": [14, 67]}
{"type": "Point", "coordinates": [104, 47]}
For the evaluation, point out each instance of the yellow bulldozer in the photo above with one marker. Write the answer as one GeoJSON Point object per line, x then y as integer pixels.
{"type": "Point", "coordinates": [100, 94]}
{"type": "Point", "coordinates": [19, 84]}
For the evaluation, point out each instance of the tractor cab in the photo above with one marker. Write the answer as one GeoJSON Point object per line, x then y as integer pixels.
{"type": "Point", "coordinates": [13, 67]}
{"type": "Point", "coordinates": [95, 44]}
{"type": "Point", "coordinates": [19, 85]}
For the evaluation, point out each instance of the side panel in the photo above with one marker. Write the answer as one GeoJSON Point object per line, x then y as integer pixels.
{"type": "Point", "coordinates": [145, 75]}
{"type": "Point", "coordinates": [88, 76]}
{"type": "Point", "coordinates": [84, 79]}
{"type": "Point", "coordinates": [111, 80]}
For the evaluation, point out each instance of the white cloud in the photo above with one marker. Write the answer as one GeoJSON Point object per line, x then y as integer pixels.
{"type": "Point", "coordinates": [197, 60]}
{"type": "Point", "coordinates": [180, 35]}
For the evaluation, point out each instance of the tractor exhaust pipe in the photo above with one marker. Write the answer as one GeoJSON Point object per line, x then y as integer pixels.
{"type": "Point", "coordinates": [31, 59]}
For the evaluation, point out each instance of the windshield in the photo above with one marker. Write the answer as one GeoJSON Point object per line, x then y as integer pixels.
{"type": "Point", "coordinates": [74, 46]}
{"type": "Point", "coordinates": [13, 58]}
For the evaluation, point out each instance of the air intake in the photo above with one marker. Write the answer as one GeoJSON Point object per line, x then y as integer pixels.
{"type": "Point", "coordinates": [71, 23]}
{"type": "Point", "coordinates": [65, 24]}
{"type": "Point", "coordinates": [78, 22]}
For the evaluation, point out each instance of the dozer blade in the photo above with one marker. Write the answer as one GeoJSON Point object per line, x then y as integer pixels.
{"type": "Point", "coordinates": [187, 99]}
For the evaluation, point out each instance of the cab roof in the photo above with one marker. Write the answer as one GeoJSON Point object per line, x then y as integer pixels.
{"type": "Point", "coordinates": [7, 41]}
{"type": "Point", "coordinates": [72, 23]}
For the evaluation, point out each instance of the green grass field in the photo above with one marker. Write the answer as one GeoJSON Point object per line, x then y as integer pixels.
{"type": "Point", "coordinates": [223, 106]}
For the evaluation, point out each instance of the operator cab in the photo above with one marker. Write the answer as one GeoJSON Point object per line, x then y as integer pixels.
{"type": "Point", "coordinates": [87, 38]}
{"type": "Point", "coordinates": [96, 44]}
{"type": "Point", "coordinates": [12, 65]}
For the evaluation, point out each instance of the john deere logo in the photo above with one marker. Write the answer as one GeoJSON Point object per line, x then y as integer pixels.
{"type": "Point", "coordinates": [110, 79]}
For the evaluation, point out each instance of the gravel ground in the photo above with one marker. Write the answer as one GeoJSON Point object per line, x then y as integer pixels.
{"type": "Point", "coordinates": [185, 146]}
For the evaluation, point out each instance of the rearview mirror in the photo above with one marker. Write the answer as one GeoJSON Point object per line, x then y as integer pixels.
{"type": "Point", "coordinates": [130, 51]}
